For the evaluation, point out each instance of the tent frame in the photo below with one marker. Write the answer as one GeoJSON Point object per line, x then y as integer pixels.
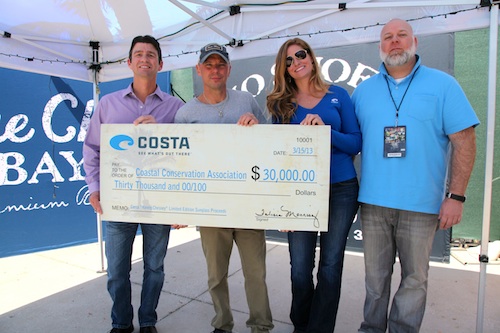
{"type": "Point", "coordinates": [84, 69]}
{"type": "Point", "coordinates": [488, 177]}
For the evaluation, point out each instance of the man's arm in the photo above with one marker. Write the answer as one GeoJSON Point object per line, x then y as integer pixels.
{"type": "Point", "coordinates": [463, 154]}
{"type": "Point", "coordinates": [462, 159]}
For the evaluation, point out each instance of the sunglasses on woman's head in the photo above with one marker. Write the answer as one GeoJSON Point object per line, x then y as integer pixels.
{"type": "Point", "coordinates": [301, 54]}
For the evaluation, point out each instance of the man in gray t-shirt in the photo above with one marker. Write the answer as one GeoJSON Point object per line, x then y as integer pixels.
{"type": "Point", "coordinates": [216, 105]}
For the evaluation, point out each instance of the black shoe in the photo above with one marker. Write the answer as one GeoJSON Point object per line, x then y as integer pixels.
{"type": "Point", "coordinates": [148, 329]}
{"type": "Point", "coordinates": [129, 329]}
{"type": "Point", "coordinates": [220, 331]}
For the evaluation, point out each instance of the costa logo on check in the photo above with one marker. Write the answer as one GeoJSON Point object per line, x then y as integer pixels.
{"type": "Point", "coordinates": [258, 177]}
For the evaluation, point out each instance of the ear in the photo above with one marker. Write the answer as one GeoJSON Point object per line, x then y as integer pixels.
{"type": "Point", "coordinates": [198, 69]}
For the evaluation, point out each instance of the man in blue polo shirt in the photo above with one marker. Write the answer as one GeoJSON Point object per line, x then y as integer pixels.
{"type": "Point", "coordinates": [417, 157]}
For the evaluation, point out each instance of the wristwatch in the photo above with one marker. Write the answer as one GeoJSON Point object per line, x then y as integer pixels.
{"type": "Point", "coordinates": [457, 197]}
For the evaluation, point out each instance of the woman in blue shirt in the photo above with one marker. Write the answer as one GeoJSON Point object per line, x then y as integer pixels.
{"type": "Point", "coordinates": [301, 96]}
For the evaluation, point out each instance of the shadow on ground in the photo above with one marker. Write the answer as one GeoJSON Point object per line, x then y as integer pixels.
{"type": "Point", "coordinates": [185, 305]}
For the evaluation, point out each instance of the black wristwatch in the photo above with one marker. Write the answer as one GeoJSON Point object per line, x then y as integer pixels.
{"type": "Point", "coordinates": [457, 197]}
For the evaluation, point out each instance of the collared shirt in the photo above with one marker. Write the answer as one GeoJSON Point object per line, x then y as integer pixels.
{"type": "Point", "coordinates": [122, 107]}
{"type": "Point", "coordinates": [433, 108]}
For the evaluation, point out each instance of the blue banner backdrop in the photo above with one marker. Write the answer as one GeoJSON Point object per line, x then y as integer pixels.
{"type": "Point", "coordinates": [43, 194]}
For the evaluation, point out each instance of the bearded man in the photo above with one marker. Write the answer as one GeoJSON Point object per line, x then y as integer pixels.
{"type": "Point", "coordinates": [417, 156]}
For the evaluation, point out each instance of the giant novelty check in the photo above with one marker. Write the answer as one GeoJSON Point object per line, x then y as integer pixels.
{"type": "Point", "coordinates": [223, 175]}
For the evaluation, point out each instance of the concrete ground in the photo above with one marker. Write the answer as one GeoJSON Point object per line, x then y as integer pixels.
{"type": "Point", "coordinates": [64, 290]}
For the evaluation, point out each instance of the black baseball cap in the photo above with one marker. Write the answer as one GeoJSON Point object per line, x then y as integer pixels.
{"type": "Point", "coordinates": [213, 48]}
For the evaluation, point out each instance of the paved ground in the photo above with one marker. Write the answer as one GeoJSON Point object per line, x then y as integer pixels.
{"type": "Point", "coordinates": [62, 291]}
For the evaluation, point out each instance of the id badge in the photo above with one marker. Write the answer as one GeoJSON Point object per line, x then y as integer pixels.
{"type": "Point", "coordinates": [395, 141]}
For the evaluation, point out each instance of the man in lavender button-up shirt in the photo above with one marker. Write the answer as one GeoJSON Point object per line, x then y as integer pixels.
{"type": "Point", "coordinates": [141, 103]}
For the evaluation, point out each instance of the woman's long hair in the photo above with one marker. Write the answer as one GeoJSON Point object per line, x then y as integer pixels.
{"type": "Point", "coordinates": [281, 102]}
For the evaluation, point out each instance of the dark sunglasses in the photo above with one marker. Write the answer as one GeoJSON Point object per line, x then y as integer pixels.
{"type": "Point", "coordinates": [301, 54]}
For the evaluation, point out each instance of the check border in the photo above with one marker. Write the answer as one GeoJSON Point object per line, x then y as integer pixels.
{"type": "Point", "coordinates": [221, 175]}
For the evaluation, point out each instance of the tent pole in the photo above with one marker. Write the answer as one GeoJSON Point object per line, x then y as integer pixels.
{"type": "Point", "coordinates": [101, 244]}
{"type": "Point", "coordinates": [488, 177]}
{"type": "Point", "coordinates": [98, 216]}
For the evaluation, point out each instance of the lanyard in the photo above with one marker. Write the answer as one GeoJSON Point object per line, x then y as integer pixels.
{"type": "Point", "coordinates": [402, 99]}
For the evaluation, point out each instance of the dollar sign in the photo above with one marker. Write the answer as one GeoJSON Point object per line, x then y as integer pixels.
{"type": "Point", "coordinates": [256, 174]}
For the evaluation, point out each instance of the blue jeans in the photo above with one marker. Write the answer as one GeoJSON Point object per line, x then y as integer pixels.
{"type": "Point", "coordinates": [388, 231]}
{"type": "Point", "coordinates": [119, 239]}
{"type": "Point", "coordinates": [314, 309]}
